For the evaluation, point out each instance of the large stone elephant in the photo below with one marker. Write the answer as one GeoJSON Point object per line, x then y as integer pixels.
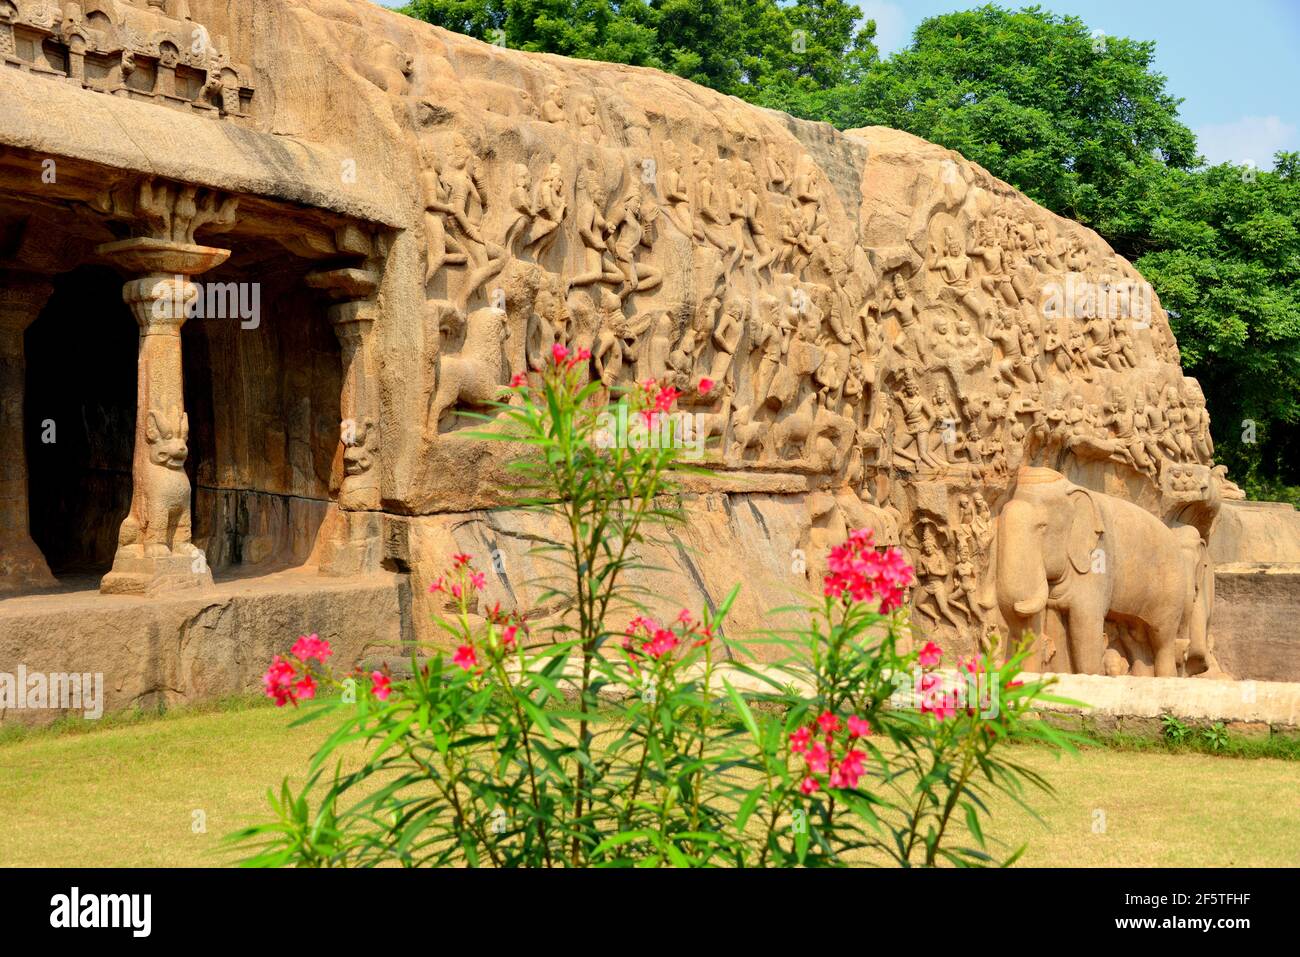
{"type": "Point", "coordinates": [1089, 557]}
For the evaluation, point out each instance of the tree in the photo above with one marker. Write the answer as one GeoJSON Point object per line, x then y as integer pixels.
{"type": "Point", "coordinates": [1080, 123]}
{"type": "Point", "coordinates": [1224, 257]}
{"type": "Point", "coordinates": [740, 47]}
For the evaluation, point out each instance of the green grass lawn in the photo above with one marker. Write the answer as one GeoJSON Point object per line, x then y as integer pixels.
{"type": "Point", "coordinates": [126, 794]}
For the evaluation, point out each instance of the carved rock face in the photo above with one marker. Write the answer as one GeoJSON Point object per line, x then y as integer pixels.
{"type": "Point", "coordinates": [885, 325]}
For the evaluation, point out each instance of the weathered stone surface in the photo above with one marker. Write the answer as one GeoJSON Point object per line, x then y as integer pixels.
{"type": "Point", "coordinates": [897, 339]}
{"type": "Point", "coordinates": [181, 648]}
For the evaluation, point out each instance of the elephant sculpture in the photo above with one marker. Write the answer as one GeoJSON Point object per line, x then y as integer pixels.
{"type": "Point", "coordinates": [1089, 557]}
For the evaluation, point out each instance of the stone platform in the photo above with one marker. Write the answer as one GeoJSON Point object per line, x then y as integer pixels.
{"type": "Point", "coordinates": [194, 646]}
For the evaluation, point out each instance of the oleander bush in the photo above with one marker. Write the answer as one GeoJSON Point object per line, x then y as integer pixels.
{"type": "Point", "coordinates": [610, 738]}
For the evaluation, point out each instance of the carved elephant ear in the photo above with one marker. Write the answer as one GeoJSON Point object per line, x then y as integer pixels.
{"type": "Point", "coordinates": [155, 430]}
{"type": "Point", "coordinates": [1085, 529]}
{"type": "Point", "coordinates": [185, 426]}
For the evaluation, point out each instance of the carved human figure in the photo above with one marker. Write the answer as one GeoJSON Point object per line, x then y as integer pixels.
{"type": "Point", "coordinates": [796, 246]}
{"type": "Point", "coordinates": [589, 121]}
{"type": "Point", "coordinates": [548, 208]}
{"type": "Point", "coordinates": [631, 230]}
{"type": "Point", "coordinates": [593, 232]}
{"type": "Point", "coordinates": [553, 104]}
{"type": "Point", "coordinates": [932, 571]}
{"type": "Point", "coordinates": [676, 197]}
{"type": "Point", "coordinates": [1120, 420]}
{"type": "Point", "coordinates": [726, 339]}
{"type": "Point", "coordinates": [768, 339]}
{"type": "Point", "coordinates": [1055, 348]}
{"type": "Point", "coordinates": [619, 340]}
{"type": "Point", "coordinates": [997, 280]}
{"type": "Point", "coordinates": [713, 215]}
{"type": "Point", "coordinates": [1006, 335]}
{"type": "Point", "coordinates": [440, 248]}
{"type": "Point", "coordinates": [952, 264]}
{"type": "Point", "coordinates": [918, 421]}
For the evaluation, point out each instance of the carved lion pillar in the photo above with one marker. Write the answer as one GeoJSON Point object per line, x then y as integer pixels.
{"type": "Point", "coordinates": [154, 550]}
{"type": "Point", "coordinates": [353, 316]}
{"type": "Point", "coordinates": [22, 566]}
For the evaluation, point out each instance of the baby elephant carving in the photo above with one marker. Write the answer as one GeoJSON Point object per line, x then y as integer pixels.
{"type": "Point", "coordinates": [159, 523]}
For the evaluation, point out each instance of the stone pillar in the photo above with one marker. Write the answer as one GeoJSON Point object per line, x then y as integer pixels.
{"type": "Point", "coordinates": [22, 566]}
{"type": "Point", "coordinates": [154, 550]}
{"type": "Point", "coordinates": [352, 317]}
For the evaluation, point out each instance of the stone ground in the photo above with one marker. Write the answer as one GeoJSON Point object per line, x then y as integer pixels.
{"type": "Point", "coordinates": [128, 795]}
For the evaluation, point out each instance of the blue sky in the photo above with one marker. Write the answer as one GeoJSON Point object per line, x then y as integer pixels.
{"type": "Point", "coordinates": [1236, 65]}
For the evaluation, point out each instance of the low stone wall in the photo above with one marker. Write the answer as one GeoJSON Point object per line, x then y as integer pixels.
{"type": "Point", "coordinates": [1256, 623]}
{"type": "Point", "coordinates": [1136, 704]}
{"type": "Point", "coordinates": [187, 648]}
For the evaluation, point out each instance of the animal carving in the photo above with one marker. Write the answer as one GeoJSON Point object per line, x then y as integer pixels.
{"type": "Point", "coordinates": [1090, 557]}
{"type": "Point", "coordinates": [360, 442]}
{"type": "Point", "coordinates": [159, 523]}
{"type": "Point", "coordinates": [795, 428]}
{"type": "Point", "coordinates": [477, 375]}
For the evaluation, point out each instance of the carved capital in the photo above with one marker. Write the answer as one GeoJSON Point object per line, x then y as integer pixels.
{"type": "Point", "coordinates": [22, 298]}
{"type": "Point", "coordinates": [172, 212]}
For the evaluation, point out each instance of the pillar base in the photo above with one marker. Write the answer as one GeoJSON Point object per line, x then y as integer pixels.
{"type": "Point", "coordinates": [23, 568]}
{"type": "Point", "coordinates": [152, 575]}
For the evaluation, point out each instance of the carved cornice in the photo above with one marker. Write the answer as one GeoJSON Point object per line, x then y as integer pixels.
{"type": "Point", "coordinates": [157, 53]}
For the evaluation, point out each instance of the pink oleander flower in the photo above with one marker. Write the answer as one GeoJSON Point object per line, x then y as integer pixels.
{"type": "Point", "coordinates": [305, 688]}
{"type": "Point", "coordinates": [929, 655]}
{"type": "Point", "coordinates": [478, 580]}
{"type": "Point", "coordinates": [466, 657]}
{"type": "Point", "coordinates": [864, 574]}
{"type": "Point", "coordinates": [439, 585]}
{"type": "Point", "coordinates": [849, 770]}
{"type": "Point", "coordinates": [508, 636]}
{"type": "Point", "coordinates": [381, 686]}
{"type": "Point", "coordinates": [818, 758]}
{"type": "Point", "coordinates": [278, 682]}
{"type": "Point", "coordinates": [518, 379]}
{"type": "Point", "coordinates": [799, 740]}
{"type": "Point", "coordinates": [858, 727]}
{"type": "Point", "coordinates": [456, 590]}
{"type": "Point", "coordinates": [311, 646]}
{"type": "Point", "coordinates": [684, 616]}
{"type": "Point", "coordinates": [663, 402]}
{"type": "Point", "coordinates": [663, 642]}
{"type": "Point", "coordinates": [828, 722]}
{"type": "Point", "coordinates": [559, 353]}
{"type": "Point", "coordinates": [855, 759]}
{"type": "Point", "coordinates": [706, 386]}
{"type": "Point", "coordinates": [808, 785]}
{"type": "Point", "coordinates": [934, 699]}
{"type": "Point", "coordinates": [461, 559]}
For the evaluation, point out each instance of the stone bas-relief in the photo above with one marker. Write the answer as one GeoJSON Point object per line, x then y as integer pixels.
{"type": "Point", "coordinates": [155, 51]}
{"type": "Point", "coordinates": [894, 339]}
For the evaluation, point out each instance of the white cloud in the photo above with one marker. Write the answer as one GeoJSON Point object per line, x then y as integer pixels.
{"type": "Point", "coordinates": [891, 24]}
{"type": "Point", "coordinates": [1253, 138]}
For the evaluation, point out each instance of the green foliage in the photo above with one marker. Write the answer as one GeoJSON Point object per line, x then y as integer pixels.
{"type": "Point", "coordinates": [1215, 736]}
{"type": "Point", "coordinates": [741, 47]}
{"type": "Point", "coordinates": [1223, 253]}
{"type": "Point", "coordinates": [588, 744]}
{"type": "Point", "coordinates": [1175, 731]}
